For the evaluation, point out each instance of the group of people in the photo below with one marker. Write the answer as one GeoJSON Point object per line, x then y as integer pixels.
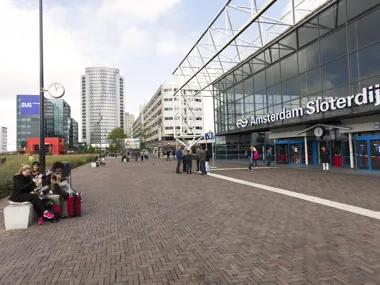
{"type": "Point", "coordinates": [253, 156]}
{"type": "Point", "coordinates": [185, 158]}
{"type": "Point", "coordinates": [136, 154]}
{"type": "Point", "coordinates": [28, 186]}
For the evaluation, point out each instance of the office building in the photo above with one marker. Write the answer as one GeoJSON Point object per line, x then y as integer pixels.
{"type": "Point", "coordinates": [163, 119]}
{"type": "Point", "coordinates": [315, 85]}
{"type": "Point", "coordinates": [57, 119]}
{"type": "Point", "coordinates": [102, 97]}
{"type": "Point", "coordinates": [128, 124]}
{"type": "Point", "coordinates": [74, 134]}
{"type": "Point", "coordinates": [138, 124]}
{"type": "Point", "coordinates": [3, 140]}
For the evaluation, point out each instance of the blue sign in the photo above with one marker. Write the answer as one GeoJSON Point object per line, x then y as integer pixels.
{"type": "Point", "coordinates": [29, 104]}
{"type": "Point", "coordinates": [209, 136]}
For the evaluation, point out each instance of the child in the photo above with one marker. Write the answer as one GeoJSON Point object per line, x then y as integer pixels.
{"type": "Point", "coordinates": [188, 160]}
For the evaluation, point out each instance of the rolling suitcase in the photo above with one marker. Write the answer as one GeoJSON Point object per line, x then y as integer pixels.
{"type": "Point", "coordinates": [74, 205]}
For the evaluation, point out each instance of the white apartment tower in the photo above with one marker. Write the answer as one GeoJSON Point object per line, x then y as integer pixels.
{"type": "Point", "coordinates": [128, 124]}
{"type": "Point", "coordinates": [3, 139]}
{"type": "Point", "coordinates": [102, 103]}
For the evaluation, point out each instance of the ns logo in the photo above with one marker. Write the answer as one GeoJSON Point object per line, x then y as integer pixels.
{"type": "Point", "coordinates": [26, 105]}
{"type": "Point", "coordinates": [242, 123]}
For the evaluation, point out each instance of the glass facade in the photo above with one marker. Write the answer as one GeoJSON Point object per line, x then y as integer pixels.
{"type": "Point", "coordinates": [334, 53]}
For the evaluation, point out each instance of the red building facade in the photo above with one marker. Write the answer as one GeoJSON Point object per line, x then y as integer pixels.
{"type": "Point", "coordinates": [52, 145]}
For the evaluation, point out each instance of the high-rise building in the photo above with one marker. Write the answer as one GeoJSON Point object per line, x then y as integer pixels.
{"type": "Point", "coordinates": [58, 121]}
{"type": "Point", "coordinates": [160, 120]}
{"type": "Point", "coordinates": [28, 118]}
{"type": "Point", "coordinates": [128, 123]}
{"type": "Point", "coordinates": [102, 97]}
{"type": "Point", "coordinates": [74, 134]}
{"type": "Point", "coordinates": [62, 119]}
{"type": "Point", "coordinates": [3, 139]}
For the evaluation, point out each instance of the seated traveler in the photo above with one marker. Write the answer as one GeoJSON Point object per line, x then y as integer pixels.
{"type": "Point", "coordinates": [23, 191]}
{"type": "Point", "coordinates": [57, 179]}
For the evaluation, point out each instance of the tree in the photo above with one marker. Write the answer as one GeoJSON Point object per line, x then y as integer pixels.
{"type": "Point", "coordinates": [116, 136]}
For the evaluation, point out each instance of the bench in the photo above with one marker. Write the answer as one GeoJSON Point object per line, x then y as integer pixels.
{"type": "Point", "coordinates": [19, 215]}
{"type": "Point", "coordinates": [94, 164]}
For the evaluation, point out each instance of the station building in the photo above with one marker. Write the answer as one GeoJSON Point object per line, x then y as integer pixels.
{"type": "Point", "coordinates": [315, 85]}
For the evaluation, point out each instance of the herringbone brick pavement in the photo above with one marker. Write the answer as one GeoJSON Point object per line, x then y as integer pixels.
{"type": "Point", "coordinates": [144, 224]}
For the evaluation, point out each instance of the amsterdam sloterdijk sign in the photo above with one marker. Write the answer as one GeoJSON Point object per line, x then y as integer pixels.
{"type": "Point", "coordinates": [370, 95]}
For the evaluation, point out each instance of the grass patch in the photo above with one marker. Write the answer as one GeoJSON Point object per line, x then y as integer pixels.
{"type": "Point", "coordinates": [13, 165]}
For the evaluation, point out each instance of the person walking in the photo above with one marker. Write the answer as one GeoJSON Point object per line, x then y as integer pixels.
{"type": "Point", "coordinates": [202, 161]}
{"type": "Point", "coordinates": [207, 161]}
{"type": "Point", "coordinates": [249, 155]}
{"type": "Point", "coordinates": [325, 159]}
{"type": "Point", "coordinates": [178, 154]}
{"type": "Point", "coordinates": [269, 156]}
{"type": "Point", "coordinates": [197, 155]}
{"type": "Point", "coordinates": [255, 156]}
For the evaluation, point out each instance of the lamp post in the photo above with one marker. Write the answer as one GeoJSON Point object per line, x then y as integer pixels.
{"type": "Point", "coordinates": [55, 90]}
{"type": "Point", "coordinates": [42, 91]}
{"type": "Point", "coordinates": [100, 131]}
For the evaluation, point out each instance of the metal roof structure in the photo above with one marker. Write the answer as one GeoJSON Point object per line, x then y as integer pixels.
{"type": "Point", "coordinates": [241, 28]}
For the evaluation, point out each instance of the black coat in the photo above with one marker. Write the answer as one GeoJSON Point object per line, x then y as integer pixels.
{"type": "Point", "coordinates": [21, 185]}
{"type": "Point", "coordinates": [188, 159]}
{"type": "Point", "coordinates": [325, 156]}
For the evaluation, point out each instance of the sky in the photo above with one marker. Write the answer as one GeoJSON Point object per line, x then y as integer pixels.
{"type": "Point", "coordinates": [145, 39]}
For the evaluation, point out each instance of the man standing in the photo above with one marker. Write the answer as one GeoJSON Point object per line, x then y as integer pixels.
{"type": "Point", "coordinates": [269, 156]}
{"type": "Point", "coordinates": [183, 162]}
{"type": "Point", "coordinates": [197, 155]}
{"type": "Point", "coordinates": [202, 161]}
{"type": "Point", "coordinates": [325, 159]}
{"type": "Point", "coordinates": [178, 154]}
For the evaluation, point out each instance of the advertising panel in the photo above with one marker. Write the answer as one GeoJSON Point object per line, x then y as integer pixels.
{"type": "Point", "coordinates": [132, 143]}
{"type": "Point", "coordinates": [29, 104]}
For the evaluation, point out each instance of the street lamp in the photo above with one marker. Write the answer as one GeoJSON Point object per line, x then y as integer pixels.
{"type": "Point", "coordinates": [100, 131]}
{"type": "Point", "coordinates": [55, 90]}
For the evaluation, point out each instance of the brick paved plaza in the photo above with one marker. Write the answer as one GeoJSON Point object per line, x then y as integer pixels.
{"type": "Point", "coordinates": [144, 224]}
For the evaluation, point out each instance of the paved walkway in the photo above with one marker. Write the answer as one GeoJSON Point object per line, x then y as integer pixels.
{"type": "Point", "coordinates": [144, 224]}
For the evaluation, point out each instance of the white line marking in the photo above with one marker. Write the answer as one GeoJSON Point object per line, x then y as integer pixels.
{"type": "Point", "coordinates": [313, 199]}
{"type": "Point", "coordinates": [244, 168]}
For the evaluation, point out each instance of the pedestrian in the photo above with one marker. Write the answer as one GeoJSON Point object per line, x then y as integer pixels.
{"type": "Point", "coordinates": [202, 161]}
{"type": "Point", "coordinates": [197, 155]}
{"type": "Point", "coordinates": [269, 156]}
{"type": "Point", "coordinates": [325, 159]}
{"type": "Point", "coordinates": [249, 155]}
{"type": "Point", "coordinates": [142, 156]}
{"type": "Point", "coordinates": [207, 160]}
{"type": "Point", "coordinates": [188, 160]}
{"type": "Point", "coordinates": [183, 156]}
{"type": "Point", "coordinates": [178, 154]}
{"type": "Point", "coordinates": [255, 156]}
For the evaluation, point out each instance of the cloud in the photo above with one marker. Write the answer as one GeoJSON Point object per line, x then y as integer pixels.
{"type": "Point", "coordinates": [77, 34]}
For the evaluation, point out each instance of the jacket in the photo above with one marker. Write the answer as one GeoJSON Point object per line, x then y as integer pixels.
{"type": "Point", "coordinates": [188, 159]}
{"type": "Point", "coordinates": [256, 154]}
{"type": "Point", "coordinates": [325, 158]}
{"type": "Point", "coordinates": [21, 185]}
{"type": "Point", "coordinates": [178, 154]}
{"type": "Point", "coordinates": [202, 154]}
{"type": "Point", "coordinates": [197, 152]}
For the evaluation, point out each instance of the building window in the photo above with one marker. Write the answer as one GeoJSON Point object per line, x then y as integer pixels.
{"type": "Point", "coordinates": [333, 46]}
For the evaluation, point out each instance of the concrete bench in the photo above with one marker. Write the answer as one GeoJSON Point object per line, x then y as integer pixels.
{"type": "Point", "coordinates": [19, 215]}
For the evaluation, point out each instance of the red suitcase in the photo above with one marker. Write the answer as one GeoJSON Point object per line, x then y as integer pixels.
{"type": "Point", "coordinates": [74, 205]}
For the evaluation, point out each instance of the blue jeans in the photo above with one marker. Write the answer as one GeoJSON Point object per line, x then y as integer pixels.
{"type": "Point", "coordinates": [178, 165]}
{"type": "Point", "coordinates": [203, 166]}
{"type": "Point", "coordinates": [250, 163]}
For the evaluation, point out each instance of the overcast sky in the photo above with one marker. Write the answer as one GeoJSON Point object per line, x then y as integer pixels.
{"type": "Point", "coordinates": [145, 39]}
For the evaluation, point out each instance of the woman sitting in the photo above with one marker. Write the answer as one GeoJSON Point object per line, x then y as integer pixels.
{"type": "Point", "coordinates": [23, 191]}
{"type": "Point", "coordinates": [36, 173]}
